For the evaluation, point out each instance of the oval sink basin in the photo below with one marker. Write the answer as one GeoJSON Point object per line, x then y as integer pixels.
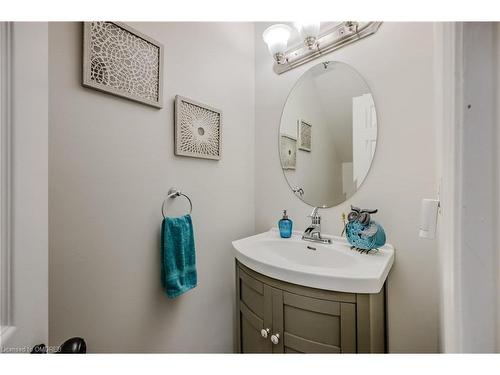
{"type": "Point", "coordinates": [331, 267]}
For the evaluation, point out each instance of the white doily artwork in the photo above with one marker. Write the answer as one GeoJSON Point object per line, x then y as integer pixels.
{"type": "Point", "coordinates": [305, 135]}
{"type": "Point", "coordinates": [120, 60]}
{"type": "Point", "coordinates": [288, 151]}
{"type": "Point", "coordinates": [198, 129]}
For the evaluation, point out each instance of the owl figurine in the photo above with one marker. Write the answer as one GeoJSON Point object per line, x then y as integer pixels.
{"type": "Point", "coordinates": [363, 233]}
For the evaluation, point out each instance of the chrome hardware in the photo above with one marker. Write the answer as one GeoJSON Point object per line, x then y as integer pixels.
{"type": "Point", "coordinates": [264, 332]}
{"type": "Point", "coordinates": [310, 42]}
{"type": "Point", "coordinates": [298, 190]}
{"type": "Point", "coordinates": [280, 58]}
{"type": "Point", "coordinates": [352, 26]}
{"type": "Point", "coordinates": [313, 231]}
{"type": "Point", "coordinates": [275, 339]}
{"type": "Point", "coordinates": [174, 193]}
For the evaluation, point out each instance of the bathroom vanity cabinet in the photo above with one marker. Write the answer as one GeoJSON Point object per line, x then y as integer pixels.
{"type": "Point", "coordinates": [278, 317]}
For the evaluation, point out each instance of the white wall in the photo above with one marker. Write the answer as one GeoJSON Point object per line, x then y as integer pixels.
{"type": "Point", "coordinates": [111, 164]}
{"type": "Point", "coordinates": [478, 254]}
{"type": "Point", "coordinates": [469, 164]}
{"type": "Point", "coordinates": [397, 63]}
{"type": "Point", "coordinates": [29, 184]}
{"type": "Point", "coordinates": [336, 89]}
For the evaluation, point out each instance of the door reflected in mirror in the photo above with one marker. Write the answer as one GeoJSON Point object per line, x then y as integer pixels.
{"type": "Point", "coordinates": [328, 134]}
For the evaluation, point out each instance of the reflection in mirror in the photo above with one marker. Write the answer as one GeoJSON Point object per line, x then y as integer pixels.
{"type": "Point", "coordinates": [328, 134]}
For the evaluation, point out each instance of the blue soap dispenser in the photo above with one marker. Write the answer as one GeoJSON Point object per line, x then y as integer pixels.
{"type": "Point", "coordinates": [285, 226]}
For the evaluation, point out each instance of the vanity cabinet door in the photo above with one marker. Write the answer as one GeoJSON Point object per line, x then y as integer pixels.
{"type": "Point", "coordinates": [305, 320]}
{"type": "Point", "coordinates": [254, 306]}
{"type": "Point", "coordinates": [312, 325]}
{"type": "Point", "coordinates": [275, 303]}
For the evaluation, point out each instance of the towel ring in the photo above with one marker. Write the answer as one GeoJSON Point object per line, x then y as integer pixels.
{"type": "Point", "coordinates": [174, 193]}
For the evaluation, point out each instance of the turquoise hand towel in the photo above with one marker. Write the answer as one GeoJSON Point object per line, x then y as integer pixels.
{"type": "Point", "coordinates": [178, 269]}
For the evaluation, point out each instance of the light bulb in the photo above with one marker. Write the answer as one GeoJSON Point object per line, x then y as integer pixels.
{"type": "Point", "coordinates": [308, 31]}
{"type": "Point", "coordinates": [276, 38]}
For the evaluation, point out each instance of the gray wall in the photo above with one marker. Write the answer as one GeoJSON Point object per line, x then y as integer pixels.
{"type": "Point", "coordinates": [397, 64]}
{"type": "Point", "coordinates": [497, 176]}
{"type": "Point", "coordinates": [477, 269]}
{"type": "Point", "coordinates": [111, 164]}
{"type": "Point", "coordinates": [305, 104]}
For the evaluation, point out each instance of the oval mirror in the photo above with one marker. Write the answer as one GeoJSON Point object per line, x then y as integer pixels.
{"type": "Point", "coordinates": [328, 134]}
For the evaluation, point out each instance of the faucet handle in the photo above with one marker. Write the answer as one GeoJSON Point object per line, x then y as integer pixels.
{"type": "Point", "coordinates": [315, 212]}
{"type": "Point", "coordinates": [315, 216]}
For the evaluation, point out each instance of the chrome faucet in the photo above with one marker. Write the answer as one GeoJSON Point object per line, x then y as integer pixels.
{"type": "Point", "coordinates": [313, 231]}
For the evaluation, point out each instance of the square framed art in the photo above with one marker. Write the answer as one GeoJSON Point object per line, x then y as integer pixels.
{"type": "Point", "coordinates": [198, 129]}
{"type": "Point", "coordinates": [288, 151]}
{"type": "Point", "coordinates": [304, 132]}
{"type": "Point", "coordinates": [122, 61]}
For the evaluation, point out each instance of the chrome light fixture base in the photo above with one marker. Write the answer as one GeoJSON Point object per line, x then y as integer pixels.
{"type": "Point", "coordinates": [280, 58]}
{"type": "Point", "coordinates": [310, 42]}
{"type": "Point", "coordinates": [340, 35]}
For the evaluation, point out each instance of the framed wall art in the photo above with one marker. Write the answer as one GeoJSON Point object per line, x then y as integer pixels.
{"type": "Point", "coordinates": [288, 151]}
{"type": "Point", "coordinates": [304, 132]}
{"type": "Point", "coordinates": [122, 61]}
{"type": "Point", "coordinates": [198, 129]}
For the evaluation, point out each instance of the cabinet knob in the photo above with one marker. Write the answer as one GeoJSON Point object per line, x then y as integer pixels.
{"type": "Point", "coordinates": [275, 339]}
{"type": "Point", "coordinates": [264, 332]}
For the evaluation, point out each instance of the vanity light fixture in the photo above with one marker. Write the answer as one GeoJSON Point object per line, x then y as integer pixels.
{"type": "Point", "coordinates": [276, 38]}
{"type": "Point", "coordinates": [308, 31]}
{"type": "Point", "coordinates": [313, 43]}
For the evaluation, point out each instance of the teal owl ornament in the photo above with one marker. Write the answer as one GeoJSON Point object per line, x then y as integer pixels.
{"type": "Point", "coordinates": [363, 233]}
